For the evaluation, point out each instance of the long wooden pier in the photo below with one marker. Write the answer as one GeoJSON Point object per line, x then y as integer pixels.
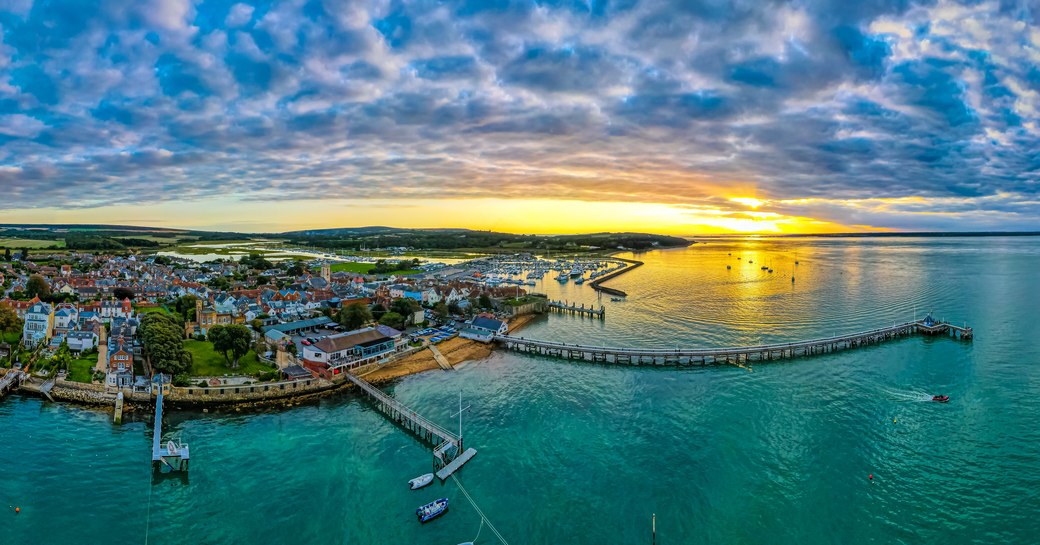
{"type": "Point", "coordinates": [448, 452]}
{"type": "Point", "coordinates": [731, 355]}
{"type": "Point", "coordinates": [581, 310]}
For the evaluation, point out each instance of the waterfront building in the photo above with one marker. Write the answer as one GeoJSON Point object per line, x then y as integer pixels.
{"type": "Point", "coordinates": [346, 350]}
{"type": "Point", "coordinates": [484, 329]}
{"type": "Point", "coordinates": [39, 323]}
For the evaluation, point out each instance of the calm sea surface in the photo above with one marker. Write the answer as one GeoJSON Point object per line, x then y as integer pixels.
{"type": "Point", "coordinates": [584, 454]}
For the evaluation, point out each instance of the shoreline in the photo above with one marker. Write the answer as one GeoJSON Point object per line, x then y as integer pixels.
{"type": "Point", "coordinates": [94, 396]}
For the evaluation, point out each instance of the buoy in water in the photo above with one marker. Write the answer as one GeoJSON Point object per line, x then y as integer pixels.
{"type": "Point", "coordinates": [871, 476]}
{"type": "Point", "coordinates": [17, 509]}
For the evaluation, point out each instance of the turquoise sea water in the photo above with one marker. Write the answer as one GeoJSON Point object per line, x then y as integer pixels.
{"type": "Point", "coordinates": [584, 454]}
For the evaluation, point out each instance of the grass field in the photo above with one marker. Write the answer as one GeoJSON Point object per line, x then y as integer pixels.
{"type": "Point", "coordinates": [151, 310]}
{"type": "Point", "coordinates": [82, 368]}
{"type": "Point", "coordinates": [362, 268]}
{"type": "Point", "coordinates": [210, 363]}
{"type": "Point", "coordinates": [6, 242]}
{"type": "Point", "coordinates": [161, 240]}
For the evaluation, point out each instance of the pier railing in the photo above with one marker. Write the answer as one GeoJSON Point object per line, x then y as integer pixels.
{"type": "Point", "coordinates": [680, 356]}
{"type": "Point", "coordinates": [448, 453]}
{"type": "Point", "coordinates": [422, 426]}
{"type": "Point", "coordinates": [574, 308]}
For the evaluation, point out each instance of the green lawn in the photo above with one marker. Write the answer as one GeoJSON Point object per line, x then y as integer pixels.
{"type": "Point", "coordinates": [6, 242]}
{"type": "Point", "coordinates": [150, 310]}
{"type": "Point", "coordinates": [362, 268]}
{"type": "Point", "coordinates": [82, 368]}
{"type": "Point", "coordinates": [209, 363]}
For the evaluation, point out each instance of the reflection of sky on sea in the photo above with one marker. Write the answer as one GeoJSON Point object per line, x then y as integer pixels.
{"type": "Point", "coordinates": [687, 296]}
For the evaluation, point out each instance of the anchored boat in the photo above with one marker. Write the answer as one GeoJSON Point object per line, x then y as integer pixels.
{"type": "Point", "coordinates": [420, 481]}
{"type": "Point", "coordinates": [432, 510]}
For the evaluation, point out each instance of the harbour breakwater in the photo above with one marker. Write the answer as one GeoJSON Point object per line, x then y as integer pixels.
{"type": "Point", "coordinates": [597, 284]}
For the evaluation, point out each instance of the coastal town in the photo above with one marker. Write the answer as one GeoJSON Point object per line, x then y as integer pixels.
{"type": "Point", "coordinates": [87, 326]}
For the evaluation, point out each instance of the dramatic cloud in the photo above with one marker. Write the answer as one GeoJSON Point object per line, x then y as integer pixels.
{"type": "Point", "coordinates": [891, 114]}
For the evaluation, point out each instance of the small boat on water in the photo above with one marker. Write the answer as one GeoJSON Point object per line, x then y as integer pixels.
{"type": "Point", "coordinates": [579, 280]}
{"type": "Point", "coordinates": [432, 510]}
{"type": "Point", "coordinates": [941, 398]}
{"type": "Point", "coordinates": [615, 299]}
{"type": "Point", "coordinates": [420, 481]}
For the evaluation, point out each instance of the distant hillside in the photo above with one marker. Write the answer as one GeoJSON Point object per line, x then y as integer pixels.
{"type": "Point", "coordinates": [366, 231]}
{"type": "Point", "coordinates": [464, 239]}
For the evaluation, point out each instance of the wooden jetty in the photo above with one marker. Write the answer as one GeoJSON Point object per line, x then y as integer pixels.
{"type": "Point", "coordinates": [10, 381]}
{"type": "Point", "coordinates": [448, 452]}
{"type": "Point", "coordinates": [172, 456]}
{"type": "Point", "coordinates": [598, 283]}
{"type": "Point", "coordinates": [732, 355]}
{"type": "Point", "coordinates": [580, 310]}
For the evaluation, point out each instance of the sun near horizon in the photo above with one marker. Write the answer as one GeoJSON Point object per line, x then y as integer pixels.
{"type": "Point", "coordinates": [738, 215]}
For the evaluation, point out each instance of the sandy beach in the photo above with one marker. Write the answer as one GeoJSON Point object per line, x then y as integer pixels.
{"type": "Point", "coordinates": [455, 350]}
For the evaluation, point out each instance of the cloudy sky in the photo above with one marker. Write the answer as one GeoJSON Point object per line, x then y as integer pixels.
{"type": "Point", "coordinates": [672, 116]}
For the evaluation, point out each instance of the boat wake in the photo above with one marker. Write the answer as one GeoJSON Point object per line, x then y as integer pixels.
{"type": "Point", "coordinates": [909, 396]}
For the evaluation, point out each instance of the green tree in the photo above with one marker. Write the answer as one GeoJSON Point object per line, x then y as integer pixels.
{"type": "Point", "coordinates": [62, 358]}
{"type": "Point", "coordinates": [354, 316]}
{"type": "Point", "coordinates": [7, 254]}
{"type": "Point", "coordinates": [440, 309]}
{"type": "Point", "coordinates": [185, 306]}
{"type": "Point", "coordinates": [393, 320]}
{"type": "Point", "coordinates": [219, 283]}
{"type": "Point", "coordinates": [164, 344]}
{"type": "Point", "coordinates": [232, 340]}
{"type": "Point", "coordinates": [484, 301]}
{"type": "Point", "coordinates": [25, 254]}
{"type": "Point", "coordinates": [454, 308]}
{"type": "Point", "coordinates": [9, 320]}
{"type": "Point", "coordinates": [405, 306]}
{"type": "Point", "coordinates": [37, 286]}
{"type": "Point", "coordinates": [123, 293]}
{"type": "Point", "coordinates": [378, 311]}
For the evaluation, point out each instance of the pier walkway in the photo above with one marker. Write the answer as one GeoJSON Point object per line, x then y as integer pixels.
{"type": "Point", "coordinates": [173, 456]}
{"type": "Point", "coordinates": [732, 355]}
{"type": "Point", "coordinates": [448, 452]}
{"type": "Point", "coordinates": [582, 310]}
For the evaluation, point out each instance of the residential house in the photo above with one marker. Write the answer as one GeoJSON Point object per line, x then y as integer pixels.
{"type": "Point", "coordinates": [82, 340]}
{"type": "Point", "coordinates": [484, 329]}
{"type": "Point", "coordinates": [39, 323]}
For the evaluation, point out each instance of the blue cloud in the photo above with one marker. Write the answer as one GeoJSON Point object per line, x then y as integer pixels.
{"type": "Point", "coordinates": [646, 98]}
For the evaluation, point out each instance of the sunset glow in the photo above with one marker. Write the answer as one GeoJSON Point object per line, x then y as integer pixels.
{"type": "Point", "coordinates": [520, 116]}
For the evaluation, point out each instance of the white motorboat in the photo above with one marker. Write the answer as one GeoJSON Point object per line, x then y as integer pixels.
{"type": "Point", "coordinates": [420, 481]}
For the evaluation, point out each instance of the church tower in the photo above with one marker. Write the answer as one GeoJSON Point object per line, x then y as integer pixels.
{"type": "Point", "coordinates": [326, 271]}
